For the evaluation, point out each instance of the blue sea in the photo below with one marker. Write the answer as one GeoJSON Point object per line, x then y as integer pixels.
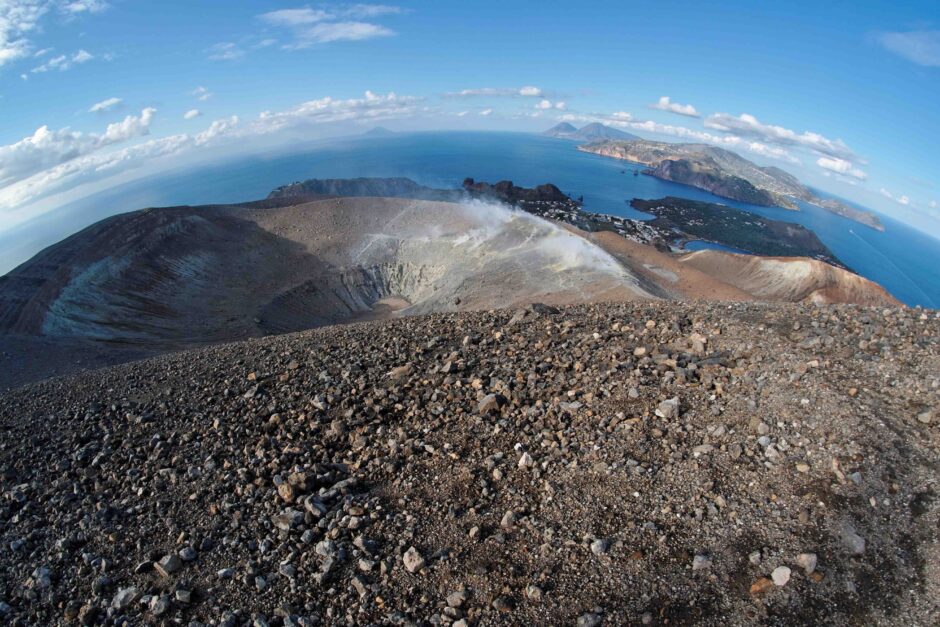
{"type": "Point", "coordinates": [905, 261]}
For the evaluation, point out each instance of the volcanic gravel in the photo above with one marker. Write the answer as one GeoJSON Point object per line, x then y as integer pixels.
{"type": "Point", "coordinates": [643, 463]}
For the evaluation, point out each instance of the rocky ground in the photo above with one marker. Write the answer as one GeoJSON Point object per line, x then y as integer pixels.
{"type": "Point", "coordinates": [640, 463]}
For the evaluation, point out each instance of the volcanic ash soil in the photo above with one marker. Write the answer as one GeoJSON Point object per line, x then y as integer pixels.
{"type": "Point", "coordinates": [639, 463]}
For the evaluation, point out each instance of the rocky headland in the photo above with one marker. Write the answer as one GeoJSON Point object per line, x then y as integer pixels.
{"type": "Point", "coordinates": [724, 173]}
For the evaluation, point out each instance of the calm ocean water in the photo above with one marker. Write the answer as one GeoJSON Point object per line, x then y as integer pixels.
{"type": "Point", "coordinates": [902, 259]}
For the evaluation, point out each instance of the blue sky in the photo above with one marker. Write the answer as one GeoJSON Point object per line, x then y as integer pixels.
{"type": "Point", "coordinates": [842, 94]}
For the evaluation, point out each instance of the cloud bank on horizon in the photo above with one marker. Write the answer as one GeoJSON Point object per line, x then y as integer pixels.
{"type": "Point", "coordinates": [49, 159]}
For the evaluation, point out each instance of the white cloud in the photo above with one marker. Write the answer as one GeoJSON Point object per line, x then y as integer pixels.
{"type": "Point", "coordinates": [461, 114]}
{"type": "Point", "coordinates": [18, 18]}
{"type": "Point", "coordinates": [371, 10]}
{"type": "Point", "coordinates": [486, 112]}
{"type": "Point", "coordinates": [327, 24]}
{"type": "Point", "coordinates": [547, 104]}
{"type": "Point", "coordinates": [623, 119]}
{"type": "Point", "coordinates": [54, 162]}
{"type": "Point", "coordinates": [921, 47]}
{"type": "Point", "coordinates": [64, 62]}
{"type": "Point", "coordinates": [323, 110]}
{"type": "Point", "coordinates": [192, 113]}
{"type": "Point", "coordinates": [105, 105]}
{"type": "Point", "coordinates": [225, 51]}
{"type": "Point", "coordinates": [664, 104]}
{"type": "Point", "coordinates": [748, 125]}
{"type": "Point", "coordinates": [528, 91]}
{"type": "Point", "coordinates": [85, 6]}
{"type": "Point", "coordinates": [933, 204]}
{"type": "Point", "coordinates": [202, 94]}
{"type": "Point", "coordinates": [130, 126]}
{"type": "Point", "coordinates": [218, 128]}
{"type": "Point", "coordinates": [306, 15]}
{"type": "Point", "coordinates": [841, 166]}
{"type": "Point", "coordinates": [901, 199]}
{"type": "Point", "coordinates": [47, 149]}
{"type": "Point", "coordinates": [294, 17]}
{"type": "Point", "coordinates": [327, 32]}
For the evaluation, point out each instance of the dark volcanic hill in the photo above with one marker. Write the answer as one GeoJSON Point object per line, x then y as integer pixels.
{"type": "Point", "coordinates": [646, 463]}
{"type": "Point", "coordinates": [594, 131]}
{"type": "Point", "coordinates": [561, 129]}
{"type": "Point", "coordinates": [505, 191]}
{"type": "Point", "coordinates": [394, 187]}
{"type": "Point", "coordinates": [379, 131]}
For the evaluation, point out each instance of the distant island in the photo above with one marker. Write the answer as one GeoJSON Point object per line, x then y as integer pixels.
{"type": "Point", "coordinates": [723, 173]}
{"type": "Point", "coordinates": [379, 131]}
{"type": "Point", "coordinates": [587, 133]}
{"type": "Point", "coordinates": [391, 187]}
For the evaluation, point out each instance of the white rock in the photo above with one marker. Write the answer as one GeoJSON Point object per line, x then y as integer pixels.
{"type": "Point", "coordinates": [124, 598]}
{"type": "Point", "coordinates": [668, 408]}
{"type": "Point", "coordinates": [701, 562]}
{"type": "Point", "coordinates": [413, 560]}
{"type": "Point", "coordinates": [781, 575]}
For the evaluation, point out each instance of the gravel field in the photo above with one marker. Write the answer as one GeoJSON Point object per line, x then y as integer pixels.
{"type": "Point", "coordinates": [636, 463]}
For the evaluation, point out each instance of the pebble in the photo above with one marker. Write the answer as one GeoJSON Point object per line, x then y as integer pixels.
{"type": "Point", "coordinates": [124, 598]}
{"type": "Point", "coordinates": [780, 576]}
{"type": "Point", "coordinates": [761, 586]}
{"type": "Point", "coordinates": [806, 561]}
{"type": "Point", "coordinates": [413, 560]}
{"type": "Point", "coordinates": [701, 562]}
{"type": "Point", "coordinates": [456, 598]}
{"type": "Point", "coordinates": [169, 564]}
{"type": "Point", "coordinates": [668, 409]}
{"type": "Point", "coordinates": [533, 592]}
{"type": "Point", "coordinates": [160, 605]}
{"type": "Point", "coordinates": [590, 620]}
{"type": "Point", "coordinates": [490, 404]}
{"type": "Point", "coordinates": [502, 604]}
{"type": "Point", "coordinates": [853, 543]}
